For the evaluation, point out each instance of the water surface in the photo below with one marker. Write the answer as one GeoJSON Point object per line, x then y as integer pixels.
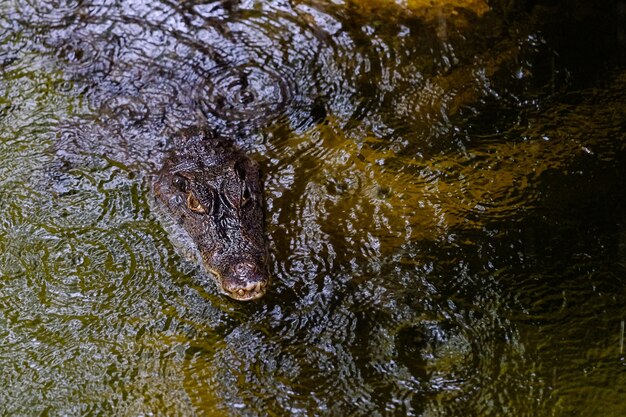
{"type": "Point", "coordinates": [445, 191]}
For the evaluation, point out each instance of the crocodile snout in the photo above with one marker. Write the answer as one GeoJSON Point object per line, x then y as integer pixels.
{"type": "Point", "coordinates": [245, 282]}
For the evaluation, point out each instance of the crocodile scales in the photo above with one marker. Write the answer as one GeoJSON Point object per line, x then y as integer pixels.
{"type": "Point", "coordinates": [213, 190]}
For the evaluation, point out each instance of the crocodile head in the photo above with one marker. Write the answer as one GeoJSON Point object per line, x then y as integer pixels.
{"type": "Point", "coordinates": [213, 190]}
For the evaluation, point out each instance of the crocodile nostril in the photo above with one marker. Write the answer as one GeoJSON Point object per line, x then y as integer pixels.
{"type": "Point", "coordinates": [244, 269]}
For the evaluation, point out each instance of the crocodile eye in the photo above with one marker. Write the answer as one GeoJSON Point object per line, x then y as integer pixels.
{"type": "Point", "coordinates": [180, 183]}
{"type": "Point", "coordinates": [194, 205]}
{"type": "Point", "coordinates": [240, 169]}
{"type": "Point", "coordinates": [246, 197]}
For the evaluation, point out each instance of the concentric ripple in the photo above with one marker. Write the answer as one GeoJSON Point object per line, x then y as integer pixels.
{"type": "Point", "coordinates": [48, 12]}
{"type": "Point", "coordinates": [247, 93]}
{"type": "Point", "coordinates": [83, 54]}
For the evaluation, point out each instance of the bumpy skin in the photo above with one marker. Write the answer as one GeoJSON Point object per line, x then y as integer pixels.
{"type": "Point", "coordinates": [213, 190]}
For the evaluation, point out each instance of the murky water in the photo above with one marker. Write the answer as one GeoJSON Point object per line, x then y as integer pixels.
{"type": "Point", "coordinates": [445, 192]}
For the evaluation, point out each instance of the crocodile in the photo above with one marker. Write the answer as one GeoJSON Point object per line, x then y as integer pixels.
{"type": "Point", "coordinates": [212, 189]}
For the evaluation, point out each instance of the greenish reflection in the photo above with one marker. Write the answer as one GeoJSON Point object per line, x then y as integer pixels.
{"type": "Point", "coordinates": [445, 189]}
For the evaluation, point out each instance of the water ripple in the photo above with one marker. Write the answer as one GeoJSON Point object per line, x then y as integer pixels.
{"type": "Point", "coordinates": [415, 165]}
{"type": "Point", "coordinates": [245, 93]}
{"type": "Point", "coordinates": [49, 14]}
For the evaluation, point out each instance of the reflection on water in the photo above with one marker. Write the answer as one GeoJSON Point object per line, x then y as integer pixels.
{"type": "Point", "coordinates": [445, 189]}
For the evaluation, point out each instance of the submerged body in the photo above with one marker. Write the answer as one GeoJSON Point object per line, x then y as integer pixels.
{"type": "Point", "coordinates": [213, 190]}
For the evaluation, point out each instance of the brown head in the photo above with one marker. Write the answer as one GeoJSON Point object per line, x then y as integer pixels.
{"type": "Point", "coordinates": [213, 190]}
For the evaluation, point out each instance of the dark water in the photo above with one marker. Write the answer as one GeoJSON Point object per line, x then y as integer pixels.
{"type": "Point", "coordinates": [445, 188]}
